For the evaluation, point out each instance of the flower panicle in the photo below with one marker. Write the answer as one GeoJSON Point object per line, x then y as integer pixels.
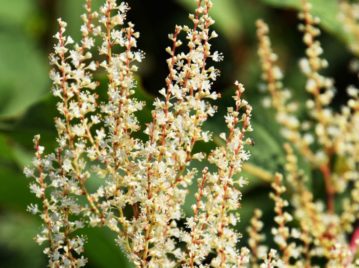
{"type": "Point", "coordinates": [323, 143]}
{"type": "Point", "coordinates": [151, 176]}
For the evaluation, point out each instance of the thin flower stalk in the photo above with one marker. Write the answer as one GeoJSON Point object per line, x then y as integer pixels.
{"type": "Point", "coordinates": [282, 218]}
{"type": "Point", "coordinates": [280, 97]}
{"type": "Point", "coordinates": [256, 238]}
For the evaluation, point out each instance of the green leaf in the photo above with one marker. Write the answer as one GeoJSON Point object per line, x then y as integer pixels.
{"type": "Point", "coordinates": [16, 241]}
{"type": "Point", "coordinates": [39, 119]}
{"type": "Point", "coordinates": [21, 156]}
{"type": "Point", "coordinates": [12, 153]}
{"type": "Point", "coordinates": [102, 250]}
{"type": "Point", "coordinates": [326, 10]}
{"type": "Point", "coordinates": [72, 11]}
{"type": "Point", "coordinates": [23, 74]}
{"type": "Point", "coordinates": [16, 12]}
{"type": "Point", "coordinates": [267, 151]}
{"type": "Point", "coordinates": [14, 191]}
{"type": "Point", "coordinates": [5, 149]}
{"type": "Point", "coordinates": [226, 15]}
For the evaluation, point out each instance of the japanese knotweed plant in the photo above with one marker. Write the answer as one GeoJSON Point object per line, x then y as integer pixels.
{"type": "Point", "coordinates": [151, 178]}
{"type": "Point", "coordinates": [142, 184]}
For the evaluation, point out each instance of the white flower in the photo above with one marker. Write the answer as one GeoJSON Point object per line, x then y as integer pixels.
{"type": "Point", "coordinates": [217, 56]}
{"type": "Point", "coordinates": [40, 239]}
{"type": "Point", "coordinates": [33, 209]}
{"type": "Point", "coordinates": [92, 66]}
{"type": "Point", "coordinates": [37, 190]}
{"type": "Point", "coordinates": [69, 40]}
{"type": "Point", "coordinates": [100, 134]}
{"type": "Point", "coordinates": [88, 43]}
{"type": "Point", "coordinates": [55, 77]}
{"type": "Point", "coordinates": [28, 172]}
{"type": "Point", "coordinates": [304, 65]}
{"type": "Point", "coordinates": [67, 165]}
{"type": "Point", "coordinates": [308, 138]}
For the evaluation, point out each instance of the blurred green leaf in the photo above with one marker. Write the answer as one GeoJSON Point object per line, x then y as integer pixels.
{"type": "Point", "coordinates": [326, 10]}
{"type": "Point", "coordinates": [102, 250]}
{"type": "Point", "coordinates": [258, 198]}
{"type": "Point", "coordinates": [16, 241]}
{"type": "Point", "coordinates": [21, 156]}
{"type": "Point", "coordinates": [14, 191]}
{"type": "Point", "coordinates": [267, 152]}
{"type": "Point", "coordinates": [23, 74]}
{"type": "Point", "coordinates": [12, 153]}
{"type": "Point", "coordinates": [72, 11]}
{"type": "Point", "coordinates": [38, 119]}
{"type": "Point", "coordinates": [5, 149]}
{"type": "Point", "coordinates": [226, 14]}
{"type": "Point", "coordinates": [16, 11]}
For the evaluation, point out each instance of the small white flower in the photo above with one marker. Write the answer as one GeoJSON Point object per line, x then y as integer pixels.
{"type": "Point", "coordinates": [69, 40]}
{"type": "Point", "coordinates": [217, 56]}
{"type": "Point", "coordinates": [40, 239]}
{"type": "Point", "coordinates": [88, 43]}
{"type": "Point", "coordinates": [67, 165]}
{"type": "Point", "coordinates": [305, 66]}
{"type": "Point", "coordinates": [33, 209]}
{"type": "Point", "coordinates": [100, 135]}
{"type": "Point", "coordinates": [308, 138]}
{"type": "Point", "coordinates": [28, 172]}
{"type": "Point", "coordinates": [92, 66]}
{"type": "Point", "coordinates": [37, 190]}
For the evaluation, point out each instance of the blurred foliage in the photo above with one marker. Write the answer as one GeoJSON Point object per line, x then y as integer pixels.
{"type": "Point", "coordinates": [225, 14]}
{"type": "Point", "coordinates": [27, 108]}
{"type": "Point", "coordinates": [326, 10]}
{"type": "Point", "coordinates": [22, 66]}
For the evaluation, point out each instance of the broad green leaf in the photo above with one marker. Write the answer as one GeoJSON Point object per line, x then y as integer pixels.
{"type": "Point", "coordinates": [258, 198]}
{"type": "Point", "coordinates": [21, 156]}
{"type": "Point", "coordinates": [39, 119]}
{"type": "Point", "coordinates": [225, 13]}
{"type": "Point", "coordinates": [5, 149]}
{"type": "Point", "coordinates": [16, 11]}
{"type": "Point", "coordinates": [23, 74]}
{"type": "Point", "coordinates": [16, 239]}
{"type": "Point", "coordinates": [267, 148]}
{"type": "Point", "coordinates": [11, 153]}
{"type": "Point", "coordinates": [326, 10]}
{"type": "Point", "coordinates": [14, 191]}
{"type": "Point", "coordinates": [102, 250]}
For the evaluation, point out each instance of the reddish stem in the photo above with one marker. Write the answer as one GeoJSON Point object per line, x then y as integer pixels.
{"type": "Point", "coordinates": [328, 187]}
{"type": "Point", "coordinates": [354, 241]}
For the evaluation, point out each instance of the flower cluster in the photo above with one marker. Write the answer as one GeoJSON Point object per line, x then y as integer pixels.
{"type": "Point", "coordinates": [100, 170]}
{"type": "Point", "coordinates": [104, 174]}
{"type": "Point", "coordinates": [324, 140]}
